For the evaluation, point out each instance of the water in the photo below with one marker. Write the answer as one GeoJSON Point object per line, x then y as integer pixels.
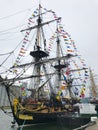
{"type": "Point", "coordinates": [5, 124]}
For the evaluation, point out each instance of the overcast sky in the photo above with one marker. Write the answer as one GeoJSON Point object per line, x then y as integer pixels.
{"type": "Point", "coordinates": [79, 17]}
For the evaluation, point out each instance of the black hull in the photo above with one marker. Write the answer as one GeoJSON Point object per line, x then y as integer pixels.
{"type": "Point", "coordinates": [39, 118]}
{"type": "Point", "coordinates": [65, 120]}
{"type": "Point", "coordinates": [73, 121]}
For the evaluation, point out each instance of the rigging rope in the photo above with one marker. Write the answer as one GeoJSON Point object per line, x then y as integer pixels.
{"type": "Point", "coordinates": [15, 13]}
{"type": "Point", "coordinates": [6, 53]}
{"type": "Point", "coordinates": [6, 58]}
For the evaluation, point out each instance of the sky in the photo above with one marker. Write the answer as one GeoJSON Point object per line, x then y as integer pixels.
{"type": "Point", "coordinates": [79, 17]}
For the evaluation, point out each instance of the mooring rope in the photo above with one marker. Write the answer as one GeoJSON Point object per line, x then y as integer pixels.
{"type": "Point", "coordinates": [23, 124]}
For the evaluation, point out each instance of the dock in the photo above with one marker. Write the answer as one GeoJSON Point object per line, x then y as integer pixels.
{"type": "Point", "coordinates": [93, 127]}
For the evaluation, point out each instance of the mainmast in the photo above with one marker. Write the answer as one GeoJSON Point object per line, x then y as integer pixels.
{"type": "Point", "coordinates": [39, 51]}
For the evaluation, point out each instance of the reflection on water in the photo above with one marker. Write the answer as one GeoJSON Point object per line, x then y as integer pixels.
{"type": "Point", "coordinates": [39, 127]}
{"type": "Point", "coordinates": [5, 124]}
{"type": "Point", "coordinates": [53, 126]}
{"type": "Point", "coordinates": [43, 127]}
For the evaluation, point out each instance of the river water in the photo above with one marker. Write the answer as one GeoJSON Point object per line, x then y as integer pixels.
{"type": "Point", "coordinates": [6, 119]}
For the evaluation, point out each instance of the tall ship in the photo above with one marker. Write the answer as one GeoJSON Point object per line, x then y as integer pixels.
{"type": "Point", "coordinates": [48, 76]}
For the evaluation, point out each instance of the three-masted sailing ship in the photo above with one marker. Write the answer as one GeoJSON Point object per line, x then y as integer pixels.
{"type": "Point", "coordinates": [49, 82]}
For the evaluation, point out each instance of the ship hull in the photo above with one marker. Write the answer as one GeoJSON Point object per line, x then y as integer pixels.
{"type": "Point", "coordinates": [73, 121]}
{"type": "Point", "coordinates": [38, 118]}
{"type": "Point", "coordinates": [62, 119]}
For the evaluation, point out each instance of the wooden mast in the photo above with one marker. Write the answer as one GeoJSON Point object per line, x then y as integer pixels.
{"type": "Point", "coordinates": [93, 86]}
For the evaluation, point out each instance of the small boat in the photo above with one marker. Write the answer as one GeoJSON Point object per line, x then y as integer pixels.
{"type": "Point", "coordinates": [45, 87]}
